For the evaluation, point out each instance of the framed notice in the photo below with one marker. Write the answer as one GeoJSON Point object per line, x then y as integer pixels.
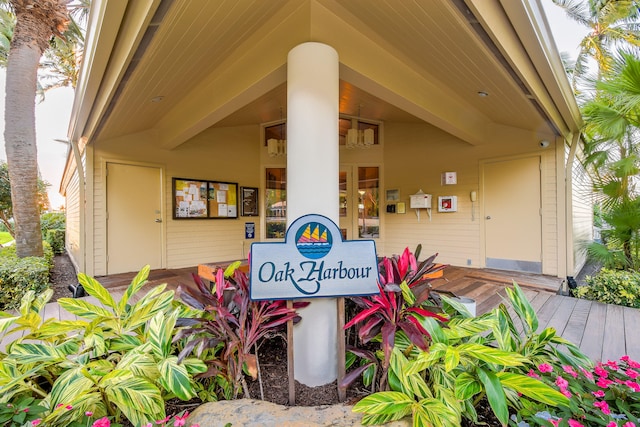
{"type": "Point", "coordinates": [223, 200]}
{"type": "Point", "coordinates": [197, 199]}
{"type": "Point", "coordinates": [189, 198]}
{"type": "Point", "coordinates": [249, 201]}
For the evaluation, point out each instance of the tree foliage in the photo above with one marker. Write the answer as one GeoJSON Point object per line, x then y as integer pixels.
{"type": "Point", "coordinates": [6, 211]}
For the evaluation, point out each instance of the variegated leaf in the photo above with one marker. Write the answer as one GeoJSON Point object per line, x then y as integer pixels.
{"type": "Point", "coordinates": [71, 384]}
{"type": "Point", "coordinates": [194, 366]}
{"type": "Point", "coordinates": [412, 384]}
{"type": "Point", "coordinates": [6, 320]}
{"type": "Point", "coordinates": [36, 353]}
{"type": "Point", "coordinates": [52, 328]}
{"type": "Point", "coordinates": [82, 308]}
{"type": "Point", "coordinates": [134, 287]}
{"type": "Point", "coordinates": [41, 300]}
{"type": "Point", "coordinates": [384, 402]}
{"type": "Point", "coordinates": [458, 328]}
{"type": "Point", "coordinates": [159, 333]}
{"type": "Point", "coordinates": [146, 308]}
{"type": "Point", "coordinates": [139, 363]}
{"type": "Point", "coordinates": [25, 302]}
{"type": "Point", "coordinates": [433, 412]}
{"type": "Point", "coordinates": [467, 386]}
{"type": "Point", "coordinates": [95, 289]}
{"type": "Point", "coordinates": [491, 355]}
{"type": "Point", "coordinates": [138, 399]}
{"type": "Point", "coordinates": [532, 388]}
{"type": "Point", "coordinates": [175, 378]}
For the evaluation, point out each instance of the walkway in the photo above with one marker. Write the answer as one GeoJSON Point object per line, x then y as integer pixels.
{"type": "Point", "coordinates": [602, 331]}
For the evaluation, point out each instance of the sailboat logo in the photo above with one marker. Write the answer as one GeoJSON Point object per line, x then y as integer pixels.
{"type": "Point", "coordinates": [313, 240]}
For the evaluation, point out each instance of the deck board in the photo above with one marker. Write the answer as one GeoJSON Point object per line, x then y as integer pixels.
{"type": "Point", "coordinates": [613, 343]}
{"type": "Point", "coordinates": [593, 336]}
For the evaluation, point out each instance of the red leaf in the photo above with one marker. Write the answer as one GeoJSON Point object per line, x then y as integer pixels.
{"type": "Point", "coordinates": [352, 375]}
{"type": "Point", "coordinates": [370, 329]}
{"type": "Point", "coordinates": [427, 313]}
{"type": "Point", "coordinates": [416, 337]}
{"type": "Point", "coordinates": [361, 316]}
{"type": "Point", "coordinates": [388, 340]}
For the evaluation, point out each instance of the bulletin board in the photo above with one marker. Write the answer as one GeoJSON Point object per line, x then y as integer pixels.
{"type": "Point", "coordinates": [197, 199]}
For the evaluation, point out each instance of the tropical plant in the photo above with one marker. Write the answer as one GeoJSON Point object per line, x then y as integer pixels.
{"type": "Point", "coordinates": [612, 154]}
{"type": "Point", "coordinates": [607, 395]}
{"type": "Point", "coordinates": [231, 327]}
{"type": "Point", "coordinates": [116, 360]}
{"type": "Point", "coordinates": [611, 24]}
{"type": "Point", "coordinates": [402, 303]}
{"type": "Point", "coordinates": [612, 287]}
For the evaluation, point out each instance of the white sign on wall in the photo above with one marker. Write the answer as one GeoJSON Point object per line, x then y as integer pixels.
{"type": "Point", "coordinates": [313, 261]}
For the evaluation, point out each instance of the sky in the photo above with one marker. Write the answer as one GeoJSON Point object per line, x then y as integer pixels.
{"type": "Point", "coordinates": [52, 115]}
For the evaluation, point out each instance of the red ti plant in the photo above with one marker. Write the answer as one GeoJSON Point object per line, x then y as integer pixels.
{"type": "Point", "coordinates": [404, 289]}
{"type": "Point", "coordinates": [232, 324]}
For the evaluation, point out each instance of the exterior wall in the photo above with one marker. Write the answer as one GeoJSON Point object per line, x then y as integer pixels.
{"type": "Point", "coordinates": [73, 213]}
{"type": "Point", "coordinates": [222, 154]}
{"type": "Point", "coordinates": [415, 157]}
{"type": "Point", "coordinates": [582, 215]}
{"type": "Point", "coordinates": [412, 157]}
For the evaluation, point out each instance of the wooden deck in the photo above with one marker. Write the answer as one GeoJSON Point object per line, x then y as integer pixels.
{"type": "Point", "coordinates": [603, 332]}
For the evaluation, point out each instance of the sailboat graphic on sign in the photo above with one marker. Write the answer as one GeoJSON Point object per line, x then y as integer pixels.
{"type": "Point", "coordinates": [314, 241]}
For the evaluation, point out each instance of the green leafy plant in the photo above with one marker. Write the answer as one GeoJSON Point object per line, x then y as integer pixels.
{"type": "Point", "coordinates": [607, 395]}
{"type": "Point", "coordinates": [20, 275]}
{"type": "Point", "coordinates": [398, 309]}
{"type": "Point", "coordinates": [612, 287]}
{"type": "Point", "coordinates": [231, 327]}
{"type": "Point", "coordinates": [20, 411]}
{"type": "Point", "coordinates": [117, 360]}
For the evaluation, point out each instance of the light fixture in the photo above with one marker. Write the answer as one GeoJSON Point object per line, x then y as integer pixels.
{"type": "Point", "coordinates": [358, 138]}
{"type": "Point", "coordinates": [157, 99]}
{"type": "Point", "coordinates": [482, 94]}
{"type": "Point", "coordinates": [278, 147]}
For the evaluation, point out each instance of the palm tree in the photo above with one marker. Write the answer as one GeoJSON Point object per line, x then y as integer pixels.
{"type": "Point", "coordinates": [35, 27]}
{"type": "Point", "coordinates": [36, 22]}
{"type": "Point", "coordinates": [612, 134]}
{"type": "Point", "coordinates": [612, 24]}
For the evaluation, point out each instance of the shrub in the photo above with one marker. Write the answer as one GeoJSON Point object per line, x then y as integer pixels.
{"type": "Point", "coordinates": [118, 359]}
{"type": "Point", "coordinates": [20, 275]}
{"type": "Point", "coordinates": [53, 230]}
{"type": "Point", "coordinates": [612, 287]}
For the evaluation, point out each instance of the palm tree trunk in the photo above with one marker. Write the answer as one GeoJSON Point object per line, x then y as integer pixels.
{"type": "Point", "coordinates": [20, 134]}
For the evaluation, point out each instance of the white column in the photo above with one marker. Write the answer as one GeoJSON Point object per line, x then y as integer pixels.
{"type": "Point", "coordinates": [312, 188]}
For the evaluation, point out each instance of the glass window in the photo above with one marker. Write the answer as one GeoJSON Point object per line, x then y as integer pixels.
{"type": "Point", "coordinates": [276, 203]}
{"type": "Point", "coordinates": [368, 202]}
{"type": "Point", "coordinates": [343, 193]}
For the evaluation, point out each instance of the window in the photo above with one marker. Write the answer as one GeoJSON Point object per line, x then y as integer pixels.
{"type": "Point", "coordinates": [368, 202]}
{"type": "Point", "coordinates": [276, 203]}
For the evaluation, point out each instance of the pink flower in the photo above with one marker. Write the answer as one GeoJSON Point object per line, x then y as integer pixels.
{"type": "Point", "coordinates": [545, 367]}
{"type": "Point", "coordinates": [604, 383]}
{"type": "Point", "coordinates": [574, 423]}
{"type": "Point", "coordinates": [555, 422]}
{"type": "Point", "coordinates": [25, 410]}
{"type": "Point", "coordinates": [59, 405]}
{"type": "Point", "coordinates": [586, 373]}
{"type": "Point", "coordinates": [601, 372]}
{"type": "Point", "coordinates": [198, 425]}
{"type": "Point", "coordinates": [562, 383]}
{"type": "Point", "coordinates": [628, 424]}
{"type": "Point", "coordinates": [102, 422]}
{"type": "Point", "coordinates": [612, 424]}
{"type": "Point", "coordinates": [532, 374]}
{"type": "Point", "coordinates": [68, 407]}
{"type": "Point", "coordinates": [631, 374]}
{"type": "Point", "coordinates": [89, 414]}
{"type": "Point", "coordinates": [603, 406]}
{"type": "Point", "coordinates": [632, 363]}
{"type": "Point", "coordinates": [612, 364]}
{"type": "Point", "coordinates": [633, 385]}
{"type": "Point", "coordinates": [149, 425]}
{"type": "Point", "coordinates": [180, 420]}
{"type": "Point", "coordinates": [598, 393]}
{"type": "Point", "coordinates": [569, 370]}
{"type": "Point", "coordinates": [36, 422]}
{"type": "Point", "coordinates": [566, 392]}
{"type": "Point", "coordinates": [164, 420]}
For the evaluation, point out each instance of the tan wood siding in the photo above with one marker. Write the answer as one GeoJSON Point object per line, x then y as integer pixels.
{"type": "Point", "coordinates": [73, 213]}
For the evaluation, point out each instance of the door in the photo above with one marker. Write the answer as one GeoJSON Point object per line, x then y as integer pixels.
{"type": "Point", "coordinates": [512, 215]}
{"type": "Point", "coordinates": [134, 217]}
{"type": "Point", "coordinates": [359, 202]}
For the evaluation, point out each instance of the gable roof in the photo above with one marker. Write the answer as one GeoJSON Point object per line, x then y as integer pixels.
{"type": "Point", "coordinates": [223, 63]}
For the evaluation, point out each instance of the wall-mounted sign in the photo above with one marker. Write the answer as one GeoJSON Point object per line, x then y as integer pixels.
{"type": "Point", "coordinates": [249, 230]}
{"type": "Point", "coordinates": [313, 261]}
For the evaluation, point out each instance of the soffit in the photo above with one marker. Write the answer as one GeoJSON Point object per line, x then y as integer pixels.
{"type": "Point", "coordinates": [198, 39]}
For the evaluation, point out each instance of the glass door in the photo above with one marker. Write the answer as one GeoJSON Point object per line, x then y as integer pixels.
{"type": "Point", "coordinates": [359, 202]}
